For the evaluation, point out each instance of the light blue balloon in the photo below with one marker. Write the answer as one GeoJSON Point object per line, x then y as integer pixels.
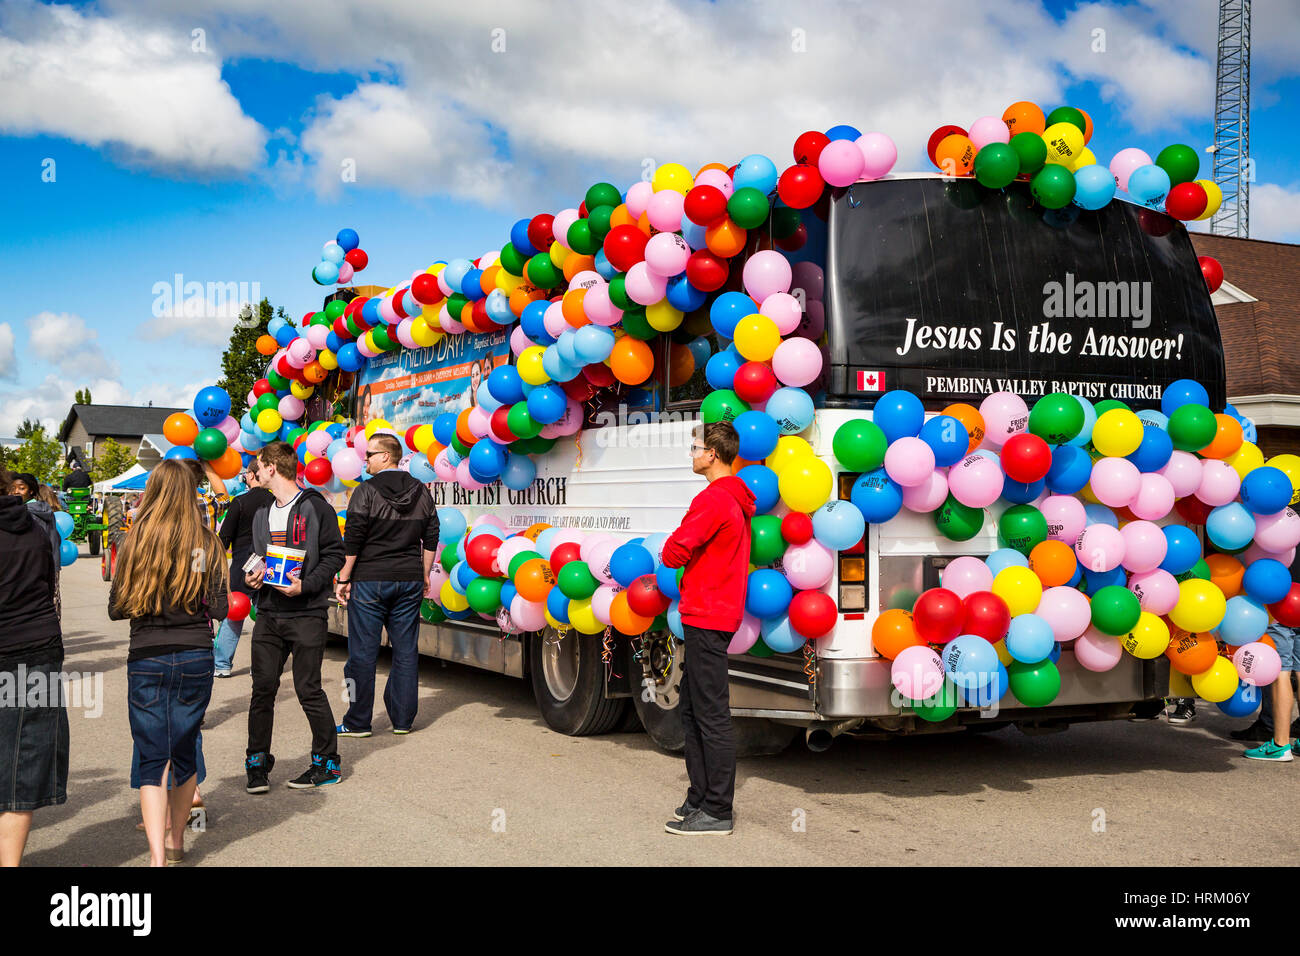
{"type": "Point", "coordinates": [460, 547]}
{"type": "Point", "coordinates": [779, 635]}
{"type": "Point", "coordinates": [674, 617]}
{"type": "Point", "coordinates": [455, 271]}
{"type": "Point", "coordinates": [970, 661]}
{"type": "Point", "coordinates": [461, 575]}
{"type": "Point", "coordinates": [566, 346]}
{"type": "Point", "coordinates": [63, 523]}
{"type": "Point", "coordinates": [543, 543]}
{"type": "Point", "coordinates": [1243, 622]}
{"type": "Point", "coordinates": [486, 400]}
{"type": "Point", "coordinates": [274, 325]}
{"type": "Point", "coordinates": [498, 308]}
{"type": "Point", "coordinates": [654, 543]}
{"type": "Point", "coordinates": [1149, 185]}
{"type": "Point", "coordinates": [68, 553]}
{"type": "Point", "coordinates": [1089, 419]}
{"type": "Point", "coordinates": [246, 422]}
{"type": "Point", "coordinates": [333, 252]}
{"type": "Point", "coordinates": [838, 525]}
{"type": "Point", "coordinates": [1248, 431]}
{"type": "Point", "coordinates": [412, 306]}
{"type": "Point", "coordinates": [591, 343]}
{"type": "Point", "coordinates": [603, 267]}
{"type": "Point", "coordinates": [334, 447]}
{"type": "Point", "coordinates": [755, 171]}
{"type": "Point", "coordinates": [421, 470]}
{"type": "Point", "coordinates": [1094, 187]}
{"type": "Point", "coordinates": [1005, 558]}
{"type": "Point", "coordinates": [325, 273]}
{"type": "Point", "coordinates": [454, 457]}
{"type": "Point", "coordinates": [1100, 514]}
{"type": "Point", "coordinates": [556, 367]}
{"type": "Point", "coordinates": [792, 408]}
{"type": "Point", "coordinates": [1230, 526]}
{"type": "Point", "coordinates": [693, 234]}
{"type": "Point", "coordinates": [1151, 418]}
{"type": "Point", "coordinates": [1030, 638]}
{"type": "Point", "coordinates": [700, 351]}
{"type": "Point", "coordinates": [488, 529]}
{"type": "Point", "coordinates": [519, 472]}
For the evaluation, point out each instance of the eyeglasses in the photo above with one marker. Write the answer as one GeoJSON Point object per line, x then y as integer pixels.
{"type": "Point", "coordinates": [697, 450]}
{"type": "Point", "coordinates": [369, 453]}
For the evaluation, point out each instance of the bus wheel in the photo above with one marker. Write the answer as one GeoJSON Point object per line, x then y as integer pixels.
{"type": "Point", "coordinates": [568, 678]}
{"type": "Point", "coordinates": [655, 674]}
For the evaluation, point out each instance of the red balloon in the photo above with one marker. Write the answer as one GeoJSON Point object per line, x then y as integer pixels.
{"type": "Point", "coordinates": [705, 205]}
{"type": "Point", "coordinates": [813, 614]}
{"type": "Point", "coordinates": [987, 616]}
{"type": "Point", "coordinates": [238, 605]}
{"type": "Point", "coordinates": [1193, 509]}
{"type": "Point", "coordinates": [795, 241]}
{"type": "Point", "coordinates": [1186, 201]}
{"type": "Point", "coordinates": [541, 231]}
{"type": "Point", "coordinates": [797, 528]}
{"type": "Point", "coordinates": [938, 616]}
{"type": "Point", "coordinates": [808, 147]}
{"type": "Point", "coordinates": [800, 186]}
{"type": "Point", "coordinates": [409, 437]}
{"type": "Point", "coordinates": [1212, 271]}
{"type": "Point", "coordinates": [425, 288]}
{"type": "Point", "coordinates": [706, 271]}
{"type": "Point", "coordinates": [395, 300]}
{"type": "Point", "coordinates": [318, 471]}
{"type": "Point", "coordinates": [599, 375]}
{"type": "Point", "coordinates": [582, 209]}
{"type": "Point", "coordinates": [645, 598]}
{"type": "Point", "coordinates": [481, 553]}
{"type": "Point", "coordinates": [1287, 610]}
{"type": "Point", "coordinates": [1026, 458]}
{"type": "Point", "coordinates": [625, 247]}
{"type": "Point", "coordinates": [937, 137]}
{"type": "Point", "coordinates": [578, 388]}
{"type": "Point", "coordinates": [498, 422]}
{"type": "Point", "coordinates": [754, 382]}
{"type": "Point", "coordinates": [357, 259]}
{"type": "Point", "coordinates": [262, 387]}
{"type": "Point", "coordinates": [562, 554]}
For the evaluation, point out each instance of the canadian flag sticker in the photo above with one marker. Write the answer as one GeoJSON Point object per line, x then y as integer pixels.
{"type": "Point", "coordinates": [871, 381]}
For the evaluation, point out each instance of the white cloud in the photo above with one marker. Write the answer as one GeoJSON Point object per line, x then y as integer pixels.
{"type": "Point", "coordinates": [1275, 212]}
{"type": "Point", "coordinates": [200, 321]}
{"type": "Point", "coordinates": [138, 88]}
{"type": "Point", "coordinates": [64, 340]}
{"type": "Point", "coordinates": [50, 401]}
{"type": "Point", "coordinates": [8, 358]}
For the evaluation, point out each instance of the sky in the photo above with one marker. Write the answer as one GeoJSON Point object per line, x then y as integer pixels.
{"type": "Point", "coordinates": [145, 143]}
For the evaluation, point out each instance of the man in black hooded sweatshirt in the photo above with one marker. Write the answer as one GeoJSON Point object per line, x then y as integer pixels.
{"type": "Point", "coordinates": [391, 537]}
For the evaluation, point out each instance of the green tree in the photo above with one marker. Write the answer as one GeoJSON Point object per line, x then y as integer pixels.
{"type": "Point", "coordinates": [40, 455]}
{"type": "Point", "coordinates": [241, 364]}
{"type": "Point", "coordinates": [83, 396]}
{"type": "Point", "coordinates": [113, 459]}
{"type": "Point", "coordinates": [27, 429]}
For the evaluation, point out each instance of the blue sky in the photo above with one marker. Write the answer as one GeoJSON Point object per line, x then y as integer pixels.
{"type": "Point", "coordinates": [208, 141]}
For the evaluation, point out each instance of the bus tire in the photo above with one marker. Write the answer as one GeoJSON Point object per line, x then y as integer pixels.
{"type": "Point", "coordinates": [658, 712]}
{"type": "Point", "coordinates": [568, 678]}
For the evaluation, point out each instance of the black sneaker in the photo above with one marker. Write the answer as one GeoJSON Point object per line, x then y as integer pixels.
{"type": "Point", "coordinates": [322, 772]}
{"type": "Point", "coordinates": [684, 811]}
{"type": "Point", "coordinates": [1256, 732]}
{"type": "Point", "coordinates": [1184, 713]}
{"type": "Point", "coordinates": [699, 823]}
{"type": "Point", "coordinates": [258, 767]}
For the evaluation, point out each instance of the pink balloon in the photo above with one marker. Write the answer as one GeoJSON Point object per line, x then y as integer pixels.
{"type": "Point", "coordinates": [878, 154]}
{"type": "Point", "coordinates": [529, 615]}
{"type": "Point", "coordinates": [1257, 663]}
{"type": "Point", "coordinates": [909, 461]}
{"type": "Point", "coordinates": [1219, 483]}
{"type": "Point", "coordinates": [565, 535]}
{"type": "Point", "coordinates": [1100, 548]}
{"type": "Point", "coordinates": [510, 547]}
{"type": "Point", "coordinates": [404, 334]}
{"type": "Point", "coordinates": [1067, 610]}
{"type": "Point", "coordinates": [966, 575]}
{"type": "Point", "coordinates": [386, 310]}
{"type": "Point", "coordinates": [444, 469]}
{"type": "Point", "coordinates": [230, 428]}
{"type": "Point", "coordinates": [664, 210]}
{"type": "Point", "coordinates": [587, 279]}
{"type": "Point", "coordinates": [1157, 590]}
{"type": "Point", "coordinates": [808, 566]}
{"type": "Point", "coordinates": [1183, 470]}
{"type": "Point", "coordinates": [448, 322]}
{"type": "Point", "coordinates": [928, 495]}
{"type": "Point", "coordinates": [667, 252]}
{"type": "Point", "coordinates": [478, 422]}
{"type": "Point", "coordinates": [841, 162]}
{"type": "Point", "coordinates": [465, 479]}
{"type": "Point", "coordinates": [553, 320]}
{"type": "Point", "coordinates": [602, 599]}
{"type": "Point", "coordinates": [1115, 481]}
{"type": "Point", "coordinates": [1005, 414]}
{"type": "Point", "coordinates": [346, 464]}
{"type": "Point", "coordinates": [1255, 552]}
{"type": "Point", "coordinates": [598, 555]}
{"type": "Point", "coordinates": [783, 309]}
{"type": "Point", "coordinates": [715, 177]}
{"type": "Point", "coordinates": [989, 129]}
{"type": "Point", "coordinates": [291, 408]}
{"type": "Point", "coordinates": [917, 672]}
{"type": "Point", "coordinates": [1096, 651]}
{"type": "Point", "coordinates": [1278, 532]}
{"type": "Point", "coordinates": [1155, 498]}
{"type": "Point", "coordinates": [563, 220]}
{"type": "Point", "coordinates": [318, 335]}
{"type": "Point", "coordinates": [1065, 518]}
{"type": "Point", "coordinates": [597, 307]}
{"type": "Point", "coordinates": [1144, 546]}
{"type": "Point", "coordinates": [1122, 166]}
{"type": "Point", "coordinates": [437, 576]}
{"type": "Point", "coordinates": [746, 635]}
{"type": "Point", "coordinates": [644, 286]}
{"type": "Point", "coordinates": [519, 341]}
{"type": "Point", "coordinates": [318, 441]}
{"type": "Point", "coordinates": [506, 622]}
{"type": "Point", "coordinates": [639, 195]}
{"type": "Point", "coordinates": [797, 362]}
{"type": "Point", "coordinates": [975, 481]}
{"type": "Point", "coordinates": [767, 273]}
{"type": "Point", "coordinates": [345, 273]}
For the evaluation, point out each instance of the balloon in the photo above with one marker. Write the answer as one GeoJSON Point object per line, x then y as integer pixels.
{"type": "Point", "coordinates": [892, 633]}
{"type": "Point", "coordinates": [841, 162]}
{"type": "Point", "coordinates": [768, 594]}
{"type": "Point", "coordinates": [909, 461]}
{"type": "Point", "coordinates": [1148, 186]}
{"type": "Point", "coordinates": [1097, 652]}
{"type": "Point", "coordinates": [1115, 481]}
{"type": "Point", "coordinates": [929, 495]}
{"type": "Point", "coordinates": [813, 614]}
{"type": "Point", "coordinates": [1019, 588]}
{"type": "Point", "coordinates": [1065, 517]}
{"type": "Point", "coordinates": [969, 661]}
{"type": "Point", "coordinates": [1094, 187]}
{"type": "Point", "coordinates": [1022, 527]}
{"type": "Point", "coordinates": [809, 565]}
{"type": "Point", "coordinates": [966, 575]}
{"type": "Point", "coordinates": [1278, 532]}
{"type": "Point", "coordinates": [879, 154]}
{"type": "Point", "coordinates": [1026, 457]}
{"type": "Point", "coordinates": [1201, 606]}
{"type": "Point", "coordinates": [1116, 611]}
{"type": "Point", "coordinates": [1034, 685]}
{"type": "Point", "coordinates": [791, 408]}
{"type": "Point", "coordinates": [899, 414]}
{"type": "Point", "coordinates": [797, 361]}
{"type": "Point", "coordinates": [1071, 470]}
{"type": "Point", "coordinates": [805, 485]}
{"type": "Point", "coordinates": [1230, 526]}
{"type": "Point", "coordinates": [1030, 639]}
{"type": "Point", "coordinates": [1218, 683]}
{"type": "Point", "coordinates": [1054, 562]}
{"type": "Point", "coordinates": [917, 672]}
{"type": "Point", "coordinates": [957, 521]}
{"type": "Point", "coordinates": [938, 616]}
{"type": "Point", "coordinates": [1266, 491]}
{"type": "Point", "coordinates": [986, 616]}
{"type": "Point", "coordinates": [1243, 621]}
{"type": "Point", "coordinates": [1267, 580]}
{"type": "Point", "coordinates": [976, 481]}
{"type": "Point", "coordinates": [1100, 548]}
{"type": "Point", "coordinates": [1180, 163]}
{"type": "Point", "coordinates": [859, 445]}
{"type": "Point", "coordinates": [1148, 638]}
{"type": "Point", "coordinates": [947, 438]}
{"type": "Point", "coordinates": [876, 496]}
{"type": "Point", "coordinates": [1257, 663]}
{"type": "Point", "coordinates": [837, 525]}
{"type": "Point", "coordinates": [1004, 414]}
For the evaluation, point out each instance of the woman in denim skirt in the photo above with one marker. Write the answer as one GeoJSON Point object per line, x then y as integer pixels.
{"type": "Point", "coordinates": [171, 583]}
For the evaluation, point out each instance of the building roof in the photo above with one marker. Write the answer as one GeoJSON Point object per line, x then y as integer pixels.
{"type": "Point", "coordinates": [1259, 337]}
{"type": "Point", "coordinates": [117, 420]}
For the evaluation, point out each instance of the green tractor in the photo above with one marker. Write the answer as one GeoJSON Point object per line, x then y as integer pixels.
{"type": "Point", "coordinates": [86, 524]}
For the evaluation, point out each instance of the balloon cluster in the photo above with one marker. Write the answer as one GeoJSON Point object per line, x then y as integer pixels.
{"type": "Point", "coordinates": [1078, 490]}
{"type": "Point", "coordinates": [340, 259]}
{"type": "Point", "coordinates": [207, 432]}
{"type": "Point", "coordinates": [68, 550]}
{"type": "Point", "coordinates": [1051, 152]}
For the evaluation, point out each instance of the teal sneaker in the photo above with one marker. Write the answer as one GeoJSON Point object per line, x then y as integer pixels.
{"type": "Point", "coordinates": [1271, 750]}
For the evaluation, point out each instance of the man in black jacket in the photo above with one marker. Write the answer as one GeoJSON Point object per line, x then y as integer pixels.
{"type": "Point", "coordinates": [77, 478]}
{"type": "Point", "coordinates": [391, 537]}
{"type": "Point", "coordinates": [237, 535]}
{"type": "Point", "coordinates": [292, 619]}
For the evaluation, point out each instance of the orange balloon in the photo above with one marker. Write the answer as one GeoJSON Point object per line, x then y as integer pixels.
{"type": "Point", "coordinates": [535, 530]}
{"type": "Point", "coordinates": [955, 155]}
{"type": "Point", "coordinates": [466, 436]}
{"type": "Point", "coordinates": [1054, 563]}
{"type": "Point", "coordinates": [725, 239]}
{"type": "Point", "coordinates": [1027, 117]}
{"type": "Point", "coordinates": [488, 280]}
{"type": "Point", "coordinates": [626, 620]}
{"type": "Point", "coordinates": [621, 217]}
{"type": "Point", "coordinates": [571, 307]}
{"type": "Point", "coordinates": [228, 465]}
{"type": "Point", "coordinates": [893, 633]}
{"type": "Point", "coordinates": [1227, 440]}
{"type": "Point", "coordinates": [971, 420]}
{"type": "Point", "coordinates": [720, 166]}
{"type": "Point", "coordinates": [1191, 653]}
{"type": "Point", "coordinates": [535, 579]}
{"type": "Point", "coordinates": [574, 263]}
{"type": "Point", "coordinates": [1087, 126]}
{"type": "Point", "coordinates": [180, 429]}
{"type": "Point", "coordinates": [632, 360]}
{"type": "Point", "coordinates": [1265, 639]}
{"type": "Point", "coordinates": [1226, 573]}
{"type": "Point", "coordinates": [681, 365]}
{"type": "Point", "coordinates": [520, 298]}
{"type": "Point", "coordinates": [266, 345]}
{"type": "Point", "coordinates": [315, 373]}
{"type": "Point", "coordinates": [467, 319]}
{"type": "Point", "coordinates": [643, 223]}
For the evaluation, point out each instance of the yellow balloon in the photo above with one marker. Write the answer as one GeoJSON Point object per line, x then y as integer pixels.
{"type": "Point", "coordinates": [561, 628]}
{"type": "Point", "coordinates": [789, 448]}
{"type": "Point", "coordinates": [1117, 433]}
{"type": "Point", "coordinates": [437, 267]}
{"type": "Point", "coordinates": [1085, 158]}
{"type": "Point", "coordinates": [328, 361]}
{"type": "Point", "coordinates": [301, 389]}
{"type": "Point", "coordinates": [530, 365]}
{"type": "Point", "coordinates": [1149, 637]}
{"type": "Point", "coordinates": [583, 617]}
{"type": "Point", "coordinates": [507, 283]}
{"type": "Point", "coordinates": [423, 438]}
{"type": "Point", "coordinates": [1086, 494]}
{"type": "Point", "coordinates": [269, 420]}
{"type": "Point", "coordinates": [1289, 465]}
{"type": "Point", "coordinates": [1004, 655]}
{"type": "Point", "coordinates": [1245, 459]}
{"type": "Point", "coordinates": [673, 176]}
{"type": "Point", "coordinates": [374, 426]}
{"type": "Point", "coordinates": [662, 317]}
{"type": "Point", "coordinates": [1020, 588]}
{"type": "Point", "coordinates": [1213, 196]}
{"type": "Point", "coordinates": [1218, 683]}
{"type": "Point", "coordinates": [1200, 607]}
{"type": "Point", "coordinates": [806, 484]}
{"type": "Point", "coordinates": [1064, 142]}
{"type": "Point", "coordinates": [423, 334]}
{"type": "Point", "coordinates": [558, 254]}
{"type": "Point", "coordinates": [757, 337]}
{"type": "Point", "coordinates": [450, 599]}
{"type": "Point", "coordinates": [369, 339]}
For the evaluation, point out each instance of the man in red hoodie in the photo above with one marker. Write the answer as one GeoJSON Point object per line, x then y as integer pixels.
{"type": "Point", "coordinates": [713, 545]}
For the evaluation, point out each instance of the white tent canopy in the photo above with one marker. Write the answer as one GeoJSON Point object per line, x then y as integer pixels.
{"type": "Point", "coordinates": [107, 484]}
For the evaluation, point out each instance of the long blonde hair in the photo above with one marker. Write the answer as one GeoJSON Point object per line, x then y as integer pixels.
{"type": "Point", "coordinates": [169, 558]}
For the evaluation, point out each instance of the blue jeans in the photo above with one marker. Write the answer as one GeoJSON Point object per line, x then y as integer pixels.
{"type": "Point", "coordinates": [167, 697]}
{"type": "Point", "coordinates": [373, 606]}
{"type": "Point", "coordinates": [223, 650]}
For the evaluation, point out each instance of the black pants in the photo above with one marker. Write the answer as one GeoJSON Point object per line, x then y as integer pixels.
{"type": "Point", "coordinates": [706, 718]}
{"type": "Point", "coordinates": [274, 639]}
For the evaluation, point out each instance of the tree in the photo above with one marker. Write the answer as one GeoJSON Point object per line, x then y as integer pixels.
{"type": "Point", "coordinates": [113, 459]}
{"type": "Point", "coordinates": [83, 396]}
{"type": "Point", "coordinates": [28, 428]}
{"type": "Point", "coordinates": [241, 364]}
{"type": "Point", "coordinates": [40, 455]}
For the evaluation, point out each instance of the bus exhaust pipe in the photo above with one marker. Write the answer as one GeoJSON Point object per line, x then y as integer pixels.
{"type": "Point", "coordinates": [819, 738]}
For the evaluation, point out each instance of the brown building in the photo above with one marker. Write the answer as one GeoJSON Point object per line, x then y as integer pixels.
{"type": "Point", "coordinates": [88, 425]}
{"type": "Point", "coordinates": [1259, 319]}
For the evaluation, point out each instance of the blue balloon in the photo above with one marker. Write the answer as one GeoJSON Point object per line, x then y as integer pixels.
{"type": "Point", "coordinates": [877, 496]}
{"type": "Point", "coordinates": [543, 543]}
{"type": "Point", "coordinates": [1076, 577]}
{"type": "Point", "coordinates": [728, 309]}
{"type": "Point", "coordinates": [1055, 654]}
{"type": "Point", "coordinates": [531, 321]}
{"type": "Point", "coordinates": [1244, 621]}
{"type": "Point", "coordinates": [485, 399]}
{"type": "Point", "coordinates": [1030, 638]}
{"type": "Point", "coordinates": [683, 296]}
{"type": "Point", "coordinates": [498, 307]}
{"type": "Point", "coordinates": [1267, 580]}
{"type": "Point", "coordinates": [603, 267]}
{"type": "Point", "coordinates": [519, 472]}
{"type": "Point", "coordinates": [451, 524]}
{"type": "Point", "coordinates": [347, 239]}
{"type": "Point", "coordinates": [768, 594]}
{"type": "Point", "coordinates": [1071, 470]}
{"type": "Point", "coordinates": [674, 618]}
{"type": "Point", "coordinates": [558, 605]}
{"type": "Point", "coordinates": [68, 553]}
{"type": "Point", "coordinates": [843, 131]}
{"type": "Point", "coordinates": [1149, 185]}
{"type": "Point", "coordinates": [1244, 701]}
{"type": "Point", "coordinates": [779, 635]}
{"type": "Point", "coordinates": [970, 661]}
{"type": "Point", "coordinates": [461, 576]}
{"type": "Point", "coordinates": [629, 562]}
{"type": "Point", "coordinates": [838, 525]}
{"type": "Point", "coordinates": [421, 470]}
{"type": "Point", "coordinates": [1182, 392]}
{"type": "Point", "coordinates": [285, 336]}
{"type": "Point", "coordinates": [1154, 452]}
{"type": "Point", "coordinates": [592, 343]}
{"type": "Point", "coordinates": [487, 458]}
{"type": "Point", "coordinates": [1266, 490]}
{"type": "Point", "coordinates": [64, 523]}
{"type": "Point", "coordinates": [350, 358]}
{"type": "Point", "coordinates": [458, 615]}
{"type": "Point", "coordinates": [182, 451]}
{"type": "Point", "coordinates": [791, 409]}
{"type": "Point", "coordinates": [519, 239]}
{"type": "Point", "coordinates": [694, 234]}
{"type": "Point", "coordinates": [411, 305]}
{"type": "Point", "coordinates": [212, 406]}
{"type": "Point", "coordinates": [370, 312]}
{"type": "Point", "coordinates": [899, 414]}
{"type": "Point", "coordinates": [1089, 420]}
{"type": "Point", "coordinates": [555, 367]}
{"type": "Point", "coordinates": [700, 350]}
{"type": "Point", "coordinates": [758, 433]}
{"type": "Point", "coordinates": [990, 693]}
{"type": "Point", "coordinates": [720, 371]}
{"type": "Point", "coordinates": [1020, 493]}
{"type": "Point", "coordinates": [547, 403]}
{"type": "Point", "coordinates": [1094, 581]}
{"type": "Point", "coordinates": [1004, 558]}
{"type": "Point", "coordinates": [505, 385]}
{"type": "Point", "coordinates": [1230, 527]}
{"type": "Point", "coordinates": [1100, 514]}
{"type": "Point", "coordinates": [762, 481]}
{"type": "Point", "coordinates": [1094, 186]}
{"type": "Point", "coordinates": [1151, 418]}
{"type": "Point", "coordinates": [666, 579]}
{"type": "Point", "coordinates": [508, 592]}
{"type": "Point", "coordinates": [755, 171]}
{"type": "Point", "coordinates": [947, 438]}
{"type": "Point", "coordinates": [444, 428]}
{"type": "Point", "coordinates": [325, 273]}
{"type": "Point", "coordinates": [565, 347]}
{"type": "Point", "coordinates": [333, 342]}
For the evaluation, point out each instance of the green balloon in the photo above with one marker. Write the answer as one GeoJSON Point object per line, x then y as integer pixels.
{"type": "Point", "coordinates": [1031, 151]}
{"type": "Point", "coordinates": [859, 445]}
{"type": "Point", "coordinates": [1021, 527]}
{"type": "Point", "coordinates": [618, 293]}
{"type": "Point", "coordinates": [940, 707]}
{"type": "Point", "coordinates": [520, 422]}
{"type": "Point", "coordinates": [278, 382]}
{"type": "Point", "coordinates": [541, 271]}
{"type": "Point", "coordinates": [1107, 404]}
{"type": "Point", "coordinates": [1115, 610]}
{"type": "Point", "coordinates": [252, 612]}
{"type": "Point", "coordinates": [635, 324]}
{"type": "Point", "coordinates": [293, 435]}
{"type": "Point", "coordinates": [721, 406]}
{"type": "Point", "coordinates": [537, 445]}
{"type": "Point", "coordinates": [1192, 427]}
{"type": "Point", "coordinates": [512, 260]}
{"type": "Point", "coordinates": [1034, 685]}
{"type": "Point", "coordinates": [265, 402]}
{"type": "Point", "coordinates": [1182, 163]}
{"type": "Point", "coordinates": [1056, 418]}
{"type": "Point", "coordinates": [382, 339]}
{"type": "Point", "coordinates": [334, 310]}
{"type": "Point", "coordinates": [996, 165]}
{"type": "Point", "coordinates": [484, 594]}
{"type": "Point", "coordinates": [748, 208]}
{"type": "Point", "coordinates": [518, 561]}
{"type": "Point", "coordinates": [598, 219]}
{"type": "Point", "coordinates": [456, 302]}
{"type": "Point", "coordinates": [785, 222]}
{"type": "Point", "coordinates": [431, 611]}
{"type": "Point", "coordinates": [209, 444]}
{"type": "Point", "coordinates": [1067, 114]}
{"type": "Point", "coordinates": [903, 599]}
{"type": "Point", "coordinates": [602, 194]}
{"type": "Point", "coordinates": [958, 522]}
{"type": "Point", "coordinates": [448, 557]}
{"type": "Point", "coordinates": [1053, 186]}
{"type": "Point", "coordinates": [576, 581]}
{"type": "Point", "coordinates": [1200, 570]}
{"type": "Point", "coordinates": [760, 649]}
{"type": "Point", "coordinates": [461, 448]}
{"type": "Point", "coordinates": [765, 541]}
